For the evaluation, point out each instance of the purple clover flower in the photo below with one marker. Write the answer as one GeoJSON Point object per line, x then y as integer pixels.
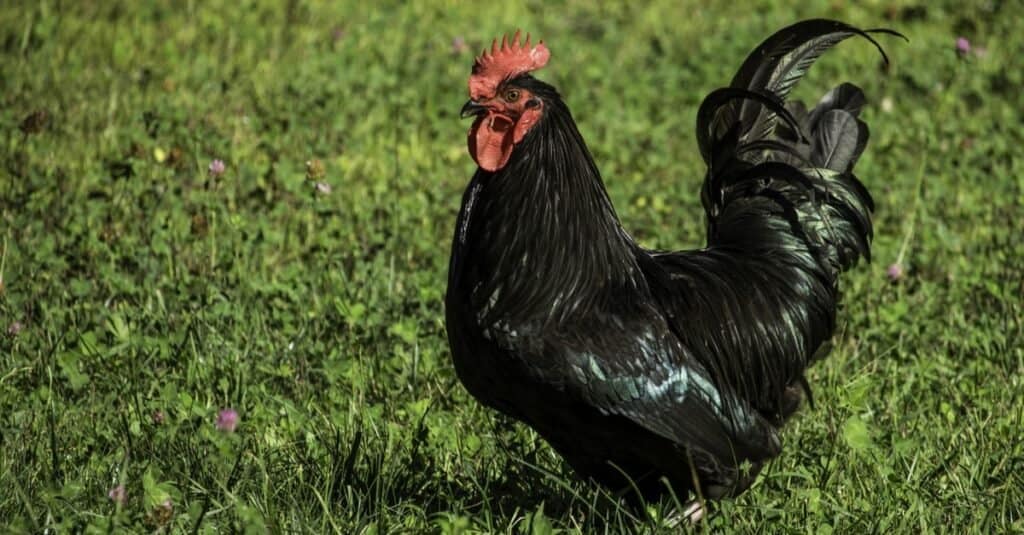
{"type": "Point", "coordinates": [118, 495]}
{"type": "Point", "coordinates": [227, 420]}
{"type": "Point", "coordinates": [894, 272]}
{"type": "Point", "coordinates": [963, 46]}
{"type": "Point", "coordinates": [217, 168]}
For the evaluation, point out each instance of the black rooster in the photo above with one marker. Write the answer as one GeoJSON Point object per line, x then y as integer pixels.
{"type": "Point", "coordinates": [645, 367]}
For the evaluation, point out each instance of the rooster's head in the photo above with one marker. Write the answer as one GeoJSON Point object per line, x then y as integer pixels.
{"type": "Point", "coordinates": [505, 111]}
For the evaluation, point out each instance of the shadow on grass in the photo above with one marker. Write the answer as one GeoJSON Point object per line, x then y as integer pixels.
{"type": "Point", "coordinates": [360, 480]}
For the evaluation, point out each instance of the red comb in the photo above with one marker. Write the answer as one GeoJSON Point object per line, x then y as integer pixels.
{"type": "Point", "coordinates": [501, 64]}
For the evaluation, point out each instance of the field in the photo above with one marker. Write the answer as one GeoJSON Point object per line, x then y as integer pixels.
{"type": "Point", "coordinates": [224, 239]}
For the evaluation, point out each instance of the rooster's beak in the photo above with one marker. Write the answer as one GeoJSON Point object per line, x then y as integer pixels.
{"type": "Point", "coordinates": [472, 108]}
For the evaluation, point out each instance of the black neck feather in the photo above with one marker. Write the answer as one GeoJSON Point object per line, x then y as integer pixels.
{"type": "Point", "coordinates": [539, 241]}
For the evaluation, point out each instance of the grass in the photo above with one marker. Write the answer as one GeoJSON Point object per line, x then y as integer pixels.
{"type": "Point", "coordinates": [141, 295]}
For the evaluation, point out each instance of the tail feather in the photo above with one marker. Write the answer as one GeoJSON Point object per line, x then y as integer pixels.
{"type": "Point", "coordinates": [760, 147]}
{"type": "Point", "coordinates": [781, 61]}
{"type": "Point", "coordinates": [839, 138]}
{"type": "Point", "coordinates": [838, 135]}
{"type": "Point", "coordinates": [845, 96]}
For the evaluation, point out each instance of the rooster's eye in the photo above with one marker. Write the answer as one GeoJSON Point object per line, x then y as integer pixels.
{"type": "Point", "coordinates": [512, 95]}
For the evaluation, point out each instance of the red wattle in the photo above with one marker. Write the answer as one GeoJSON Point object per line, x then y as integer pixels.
{"type": "Point", "coordinates": [491, 139]}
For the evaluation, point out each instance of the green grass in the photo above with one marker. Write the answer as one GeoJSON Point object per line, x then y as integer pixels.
{"type": "Point", "coordinates": [143, 286]}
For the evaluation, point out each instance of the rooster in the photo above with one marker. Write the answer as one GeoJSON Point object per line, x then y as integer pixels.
{"type": "Point", "coordinates": [652, 371]}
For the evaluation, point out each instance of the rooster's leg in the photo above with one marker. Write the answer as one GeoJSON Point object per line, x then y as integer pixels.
{"type": "Point", "coordinates": [694, 511]}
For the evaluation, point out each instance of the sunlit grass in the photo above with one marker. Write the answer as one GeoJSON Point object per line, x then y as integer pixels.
{"type": "Point", "coordinates": [145, 291]}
